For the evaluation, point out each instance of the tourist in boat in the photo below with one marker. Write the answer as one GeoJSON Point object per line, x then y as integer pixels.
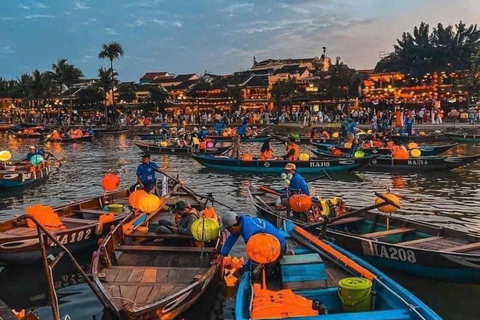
{"type": "Point", "coordinates": [219, 127]}
{"type": "Point", "coordinates": [298, 185]}
{"type": "Point", "coordinates": [293, 150]}
{"type": "Point", "coordinates": [146, 173]}
{"type": "Point", "coordinates": [32, 151]}
{"type": "Point", "coordinates": [91, 132]}
{"type": "Point", "coordinates": [185, 215]}
{"type": "Point", "coordinates": [399, 152]}
{"type": "Point", "coordinates": [164, 131]}
{"type": "Point", "coordinates": [246, 227]}
{"type": "Point", "coordinates": [266, 152]}
{"type": "Point", "coordinates": [55, 135]}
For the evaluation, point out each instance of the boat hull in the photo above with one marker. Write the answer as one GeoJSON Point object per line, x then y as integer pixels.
{"type": "Point", "coordinates": [277, 166]}
{"type": "Point", "coordinates": [244, 139]}
{"type": "Point", "coordinates": [427, 151]}
{"type": "Point", "coordinates": [421, 164]}
{"type": "Point", "coordinates": [71, 140]}
{"type": "Point", "coordinates": [16, 179]}
{"type": "Point", "coordinates": [421, 139]}
{"type": "Point", "coordinates": [464, 138]}
{"type": "Point", "coordinates": [176, 150]}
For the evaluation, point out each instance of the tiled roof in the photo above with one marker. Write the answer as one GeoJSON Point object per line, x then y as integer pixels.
{"type": "Point", "coordinates": [155, 75]}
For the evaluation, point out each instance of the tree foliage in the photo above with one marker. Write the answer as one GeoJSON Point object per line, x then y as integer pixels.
{"type": "Point", "coordinates": [282, 90]}
{"type": "Point", "coordinates": [447, 49]}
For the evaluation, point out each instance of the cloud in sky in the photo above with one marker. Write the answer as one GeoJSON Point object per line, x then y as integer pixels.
{"type": "Point", "coordinates": [215, 35]}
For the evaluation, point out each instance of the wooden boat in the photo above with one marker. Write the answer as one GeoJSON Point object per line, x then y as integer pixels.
{"type": "Point", "coordinates": [258, 138]}
{"type": "Point", "coordinates": [307, 140]}
{"type": "Point", "coordinates": [156, 149]}
{"type": "Point", "coordinates": [314, 165]}
{"type": "Point", "coordinates": [431, 150]}
{"type": "Point", "coordinates": [4, 127]}
{"type": "Point", "coordinates": [420, 139]}
{"type": "Point", "coordinates": [37, 135]}
{"type": "Point", "coordinates": [464, 137]}
{"type": "Point", "coordinates": [71, 140]}
{"type": "Point", "coordinates": [154, 276]}
{"type": "Point", "coordinates": [311, 270]}
{"type": "Point", "coordinates": [394, 242]}
{"type": "Point", "coordinates": [7, 314]}
{"type": "Point", "coordinates": [420, 164]}
{"type": "Point", "coordinates": [23, 174]}
{"type": "Point", "coordinates": [19, 244]}
{"type": "Point", "coordinates": [111, 130]}
{"type": "Point", "coordinates": [151, 136]}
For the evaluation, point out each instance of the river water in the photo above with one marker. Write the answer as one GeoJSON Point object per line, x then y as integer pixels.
{"type": "Point", "coordinates": [446, 198]}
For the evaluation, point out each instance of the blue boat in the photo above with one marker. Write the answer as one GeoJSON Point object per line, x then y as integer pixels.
{"type": "Point", "coordinates": [314, 165]}
{"type": "Point", "coordinates": [313, 270]}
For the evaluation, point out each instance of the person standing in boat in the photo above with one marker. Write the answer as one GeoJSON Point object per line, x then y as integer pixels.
{"type": "Point", "coordinates": [298, 185]}
{"type": "Point", "coordinates": [246, 227]}
{"type": "Point", "coordinates": [293, 150]}
{"type": "Point", "coordinates": [146, 173]}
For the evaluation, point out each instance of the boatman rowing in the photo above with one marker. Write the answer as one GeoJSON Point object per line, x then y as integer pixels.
{"type": "Point", "coordinates": [146, 173]}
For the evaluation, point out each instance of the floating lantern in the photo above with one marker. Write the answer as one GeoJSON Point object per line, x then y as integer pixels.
{"type": "Point", "coordinates": [388, 208]}
{"type": "Point", "coordinates": [304, 157]}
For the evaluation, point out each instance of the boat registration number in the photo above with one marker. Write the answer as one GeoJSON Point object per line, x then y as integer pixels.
{"type": "Point", "coordinates": [73, 237]}
{"type": "Point", "coordinates": [391, 253]}
{"type": "Point", "coordinates": [417, 162]}
{"type": "Point", "coordinates": [319, 164]}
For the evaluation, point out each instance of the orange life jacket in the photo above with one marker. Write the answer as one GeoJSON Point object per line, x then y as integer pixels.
{"type": "Point", "coordinates": [399, 152]}
{"type": "Point", "coordinates": [296, 152]}
{"type": "Point", "coordinates": [377, 143]}
{"type": "Point", "coordinates": [267, 155]}
{"type": "Point", "coordinates": [203, 145]}
{"type": "Point", "coordinates": [347, 145]}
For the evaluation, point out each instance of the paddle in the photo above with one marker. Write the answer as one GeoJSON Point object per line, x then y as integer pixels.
{"type": "Point", "coordinates": [209, 196]}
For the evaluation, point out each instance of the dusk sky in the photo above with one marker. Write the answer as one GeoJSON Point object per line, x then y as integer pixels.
{"type": "Point", "coordinates": [216, 35]}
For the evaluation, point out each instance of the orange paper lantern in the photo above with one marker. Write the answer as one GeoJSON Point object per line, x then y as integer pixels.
{"type": "Point", "coordinates": [263, 248]}
{"type": "Point", "coordinates": [110, 182]}
{"type": "Point", "coordinates": [300, 203]}
{"type": "Point", "coordinates": [388, 208]}
{"type": "Point", "coordinates": [135, 198]}
{"type": "Point", "coordinates": [151, 203]}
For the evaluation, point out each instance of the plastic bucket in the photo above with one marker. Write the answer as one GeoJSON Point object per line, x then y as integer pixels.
{"type": "Point", "coordinates": [115, 208]}
{"type": "Point", "coordinates": [355, 294]}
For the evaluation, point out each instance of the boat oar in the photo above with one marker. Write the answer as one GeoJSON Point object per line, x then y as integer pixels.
{"type": "Point", "coordinates": [209, 197]}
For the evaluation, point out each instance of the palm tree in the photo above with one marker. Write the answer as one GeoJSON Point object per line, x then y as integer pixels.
{"type": "Point", "coordinates": [106, 79]}
{"type": "Point", "coordinates": [111, 51]}
{"type": "Point", "coordinates": [66, 74]}
{"type": "Point", "coordinates": [159, 97]}
{"type": "Point", "coordinates": [25, 85]}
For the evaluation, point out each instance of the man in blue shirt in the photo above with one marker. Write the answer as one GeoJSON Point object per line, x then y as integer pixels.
{"type": "Point", "coordinates": [33, 152]}
{"type": "Point", "coordinates": [298, 185]}
{"type": "Point", "coordinates": [246, 227]}
{"type": "Point", "coordinates": [203, 133]}
{"type": "Point", "coordinates": [242, 130]}
{"type": "Point", "coordinates": [219, 128]}
{"type": "Point", "coordinates": [146, 173]}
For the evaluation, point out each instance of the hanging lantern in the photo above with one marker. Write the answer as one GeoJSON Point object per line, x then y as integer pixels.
{"type": "Point", "coordinates": [412, 145]}
{"type": "Point", "coordinates": [263, 248]}
{"type": "Point", "coordinates": [388, 208]}
{"type": "Point", "coordinates": [209, 225]}
{"type": "Point", "coordinates": [151, 203]}
{"type": "Point", "coordinates": [110, 182]}
{"type": "Point", "coordinates": [5, 155]}
{"type": "Point", "coordinates": [135, 198]}
{"type": "Point", "coordinates": [415, 153]}
{"type": "Point", "coordinates": [36, 160]}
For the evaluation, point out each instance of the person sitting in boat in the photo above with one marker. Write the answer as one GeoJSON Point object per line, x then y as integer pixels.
{"type": "Point", "coordinates": [203, 133]}
{"type": "Point", "coordinates": [266, 152]}
{"type": "Point", "coordinates": [246, 227]}
{"type": "Point", "coordinates": [184, 216]}
{"type": "Point", "coordinates": [164, 131]}
{"type": "Point", "coordinates": [254, 131]}
{"type": "Point", "coordinates": [78, 132]}
{"type": "Point", "coordinates": [298, 185]}
{"type": "Point", "coordinates": [55, 135]}
{"type": "Point", "coordinates": [293, 150]}
{"type": "Point", "coordinates": [146, 173]}
{"type": "Point", "coordinates": [399, 152]}
{"type": "Point", "coordinates": [32, 151]}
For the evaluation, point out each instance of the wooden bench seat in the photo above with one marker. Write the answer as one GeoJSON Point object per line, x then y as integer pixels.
{"type": "Point", "coordinates": [164, 249]}
{"type": "Point", "coordinates": [153, 235]}
{"type": "Point", "coordinates": [392, 232]}
{"type": "Point", "coordinates": [463, 248]}
{"type": "Point", "coordinates": [347, 221]}
{"type": "Point", "coordinates": [90, 211]}
{"type": "Point", "coordinates": [419, 241]}
{"type": "Point", "coordinates": [79, 221]}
